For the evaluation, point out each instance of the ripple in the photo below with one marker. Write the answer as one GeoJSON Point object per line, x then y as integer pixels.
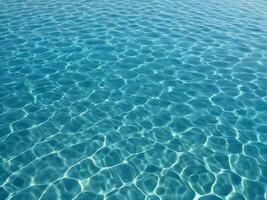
{"type": "Point", "coordinates": [155, 100]}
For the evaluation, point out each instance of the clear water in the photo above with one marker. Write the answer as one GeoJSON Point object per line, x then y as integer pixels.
{"type": "Point", "coordinates": [133, 100]}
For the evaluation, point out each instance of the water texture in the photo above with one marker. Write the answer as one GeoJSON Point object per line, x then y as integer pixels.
{"type": "Point", "coordinates": [133, 99]}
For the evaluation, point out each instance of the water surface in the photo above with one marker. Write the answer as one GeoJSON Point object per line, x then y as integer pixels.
{"type": "Point", "coordinates": [133, 99]}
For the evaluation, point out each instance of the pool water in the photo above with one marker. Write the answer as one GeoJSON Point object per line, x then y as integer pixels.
{"type": "Point", "coordinates": [133, 100]}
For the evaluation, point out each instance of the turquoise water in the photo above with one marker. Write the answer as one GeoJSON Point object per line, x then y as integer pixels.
{"type": "Point", "coordinates": [133, 100]}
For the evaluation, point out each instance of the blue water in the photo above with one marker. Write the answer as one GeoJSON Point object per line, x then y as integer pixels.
{"type": "Point", "coordinates": [133, 99]}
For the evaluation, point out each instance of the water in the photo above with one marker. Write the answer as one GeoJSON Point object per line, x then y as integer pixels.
{"type": "Point", "coordinates": [133, 100]}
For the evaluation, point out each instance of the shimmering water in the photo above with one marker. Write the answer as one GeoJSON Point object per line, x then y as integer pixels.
{"type": "Point", "coordinates": [133, 100]}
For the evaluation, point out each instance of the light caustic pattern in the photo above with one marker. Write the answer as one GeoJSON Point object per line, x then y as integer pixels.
{"type": "Point", "coordinates": [133, 100]}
